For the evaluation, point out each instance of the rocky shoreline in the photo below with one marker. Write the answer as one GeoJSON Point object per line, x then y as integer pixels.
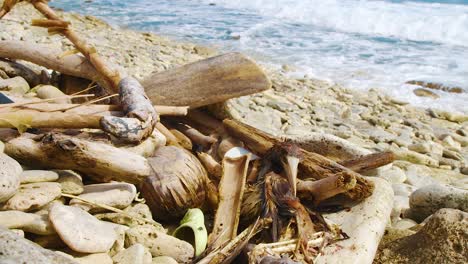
{"type": "Point", "coordinates": [431, 146]}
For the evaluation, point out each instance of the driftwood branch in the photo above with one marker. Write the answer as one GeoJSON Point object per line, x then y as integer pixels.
{"type": "Point", "coordinates": [369, 162]}
{"type": "Point", "coordinates": [325, 188]}
{"type": "Point", "coordinates": [100, 161]}
{"type": "Point", "coordinates": [312, 165]}
{"type": "Point", "coordinates": [104, 70]}
{"type": "Point", "coordinates": [207, 81]}
{"type": "Point", "coordinates": [231, 191]}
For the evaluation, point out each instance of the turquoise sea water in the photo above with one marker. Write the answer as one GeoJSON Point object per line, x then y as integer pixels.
{"type": "Point", "coordinates": [358, 43]}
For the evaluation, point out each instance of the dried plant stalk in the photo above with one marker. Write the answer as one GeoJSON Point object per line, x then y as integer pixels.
{"type": "Point", "coordinates": [231, 191]}
{"type": "Point", "coordinates": [84, 108]}
{"type": "Point", "coordinates": [111, 76]}
{"type": "Point", "coordinates": [115, 210]}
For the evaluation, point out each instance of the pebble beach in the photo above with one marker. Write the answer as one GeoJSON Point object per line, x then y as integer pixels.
{"type": "Point", "coordinates": [417, 214]}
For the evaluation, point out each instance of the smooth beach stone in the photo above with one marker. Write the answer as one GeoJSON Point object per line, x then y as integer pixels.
{"type": "Point", "coordinates": [32, 176]}
{"type": "Point", "coordinates": [364, 223]}
{"type": "Point", "coordinates": [2, 146]}
{"type": "Point", "coordinates": [393, 175]}
{"type": "Point", "coordinates": [49, 91]}
{"type": "Point", "coordinates": [33, 196]}
{"type": "Point", "coordinates": [136, 254]}
{"type": "Point", "coordinates": [427, 147]}
{"type": "Point", "coordinates": [404, 223]}
{"type": "Point", "coordinates": [414, 157]}
{"type": "Point", "coordinates": [116, 194]}
{"type": "Point", "coordinates": [427, 200]}
{"type": "Point", "coordinates": [400, 205]}
{"type": "Point", "coordinates": [18, 232]}
{"type": "Point", "coordinates": [419, 181]}
{"type": "Point", "coordinates": [149, 145]}
{"type": "Point", "coordinates": [443, 239]}
{"type": "Point", "coordinates": [139, 209]}
{"type": "Point", "coordinates": [119, 243]}
{"type": "Point", "coordinates": [163, 260]}
{"type": "Point", "coordinates": [15, 85]}
{"type": "Point", "coordinates": [159, 243]}
{"type": "Point", "coordinates": [462, 183]}
{"type": "Point", "coordinates": [96, 258]}
{"type": "Point", "coordinates": [28, 222]}
{"type": "Point", "coordinates": [71, 182]}
{"type": "Point", "coordinates": [403, 189]}
{"type": "Point", "coordinates": [436, 175]}
{"type": "Point", "coordinates": [80, 230]}
{"type": "Point", "coordinates": [21, 250]}
{"type": "Point", "coordinates": [10, 171]}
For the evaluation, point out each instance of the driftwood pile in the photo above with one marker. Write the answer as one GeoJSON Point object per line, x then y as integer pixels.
{"type": "Point", "coordinates": [261, 196]}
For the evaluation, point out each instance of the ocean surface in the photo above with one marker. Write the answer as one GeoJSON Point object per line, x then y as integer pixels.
{"type": "Point", "coordinates": [360, 44]}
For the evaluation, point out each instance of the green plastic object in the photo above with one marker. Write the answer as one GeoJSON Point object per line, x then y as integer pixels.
{"type": "Point", "coordinates": [192, 229]}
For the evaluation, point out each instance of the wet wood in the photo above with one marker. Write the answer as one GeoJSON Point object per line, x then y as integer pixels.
{"type": "Point", "coordinates": [312, 165]}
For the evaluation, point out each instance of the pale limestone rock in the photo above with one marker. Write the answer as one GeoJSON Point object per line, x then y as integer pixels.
{"type": "Point", "coordinates": [139, 209]}
{"type": "Point", "coordinates": [49, 91]}
{"type": "Point", "coordinates": [136, 254]}
{"type": "Point", "coordinates": [16, 249]}
{"type": "Point", "coordinates": [80, 230]}
{"type": "Point", "coordinates": [451, 144]}
{"type": "Point", "coordinates": [10, 171]}
{"type": "Point", "coordinates": [159, 243]}
{"type": "Point", "coordinates": [364, 223]}
{"type": "Point", "coordinates": [117, 194]}
{"type": "Point", "coordinates": [420, 175]}
{"type": "Point", "coordinates": [149, 145]}
{"type": "Point", "coordinates": [33, 196]}
{"type": "Point", "coordinates": [427, 200]}
{"type": "Point", "coordinates": [427, 147]}
{"type": "Point", "coordinates": [414, 157]}
{"type": "Point", "coordinates": [15, 85]}
{"type": "Point", "coordinates": [28, 222]}
{"type": "Point", "coordinates": [163, 260]}
{"type": "Point", "coordinates": [443, 239]}
{"type": "Point", "coordinates": [96, 258]}
{"type": "Point", "coordinates": [462, 183]}
{"type": "Point", "coordinates": [403, 189]}
{"type": "Point", "coordinates": [400, 205]}
{"type": "Point", "coordinates": [70, 181]}
{"type": "Point", "coordinates": [32, 176]}
{"type": "Point", "coordinates": [119, 243]}
{"type": "Point", "coordinates": [2, 146]}
{"type": "Point", "coordinates": [393, 175]}
{"type": "Point", "coordinates": [18, 232]}
{"type": "Point", "coordinates": [404, 223]}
